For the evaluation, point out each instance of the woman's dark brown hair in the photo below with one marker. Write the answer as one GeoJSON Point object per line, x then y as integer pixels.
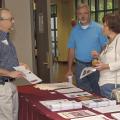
{"type": "Point", "coordinates": [113, 21]}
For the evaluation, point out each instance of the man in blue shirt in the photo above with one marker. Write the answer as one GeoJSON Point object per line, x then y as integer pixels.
{"type": "Point", "coordinates": [85, 37]}
{"type": "Point", "coordinates": [8, 60]}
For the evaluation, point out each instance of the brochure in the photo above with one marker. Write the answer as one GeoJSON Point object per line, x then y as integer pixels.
{"type": "Point", "coordinates": [97, 117]}
{"type": "Point", "coordinates": [62, 104]}
{"type": "Point", "coordinates": [76, 114]}
{"type": "Point", "coordinates": [87, 71]}
{"type": "Point", "coordinates": [108, 109]}
{"type": "Point", "coordinates": [78, 94]}
{"type": "Point", "coordinates": [54, 86]}
{"type": "Point", "coordinates": [69, 90]}
{"type": "Point", "coordinates": [31, 77]}
{"type": "Point", "coordinates": [83, 98]}
{"type": "Point", "coordinates": [116, 115]}
{"type": "Point", "coordinates": [100, 102]}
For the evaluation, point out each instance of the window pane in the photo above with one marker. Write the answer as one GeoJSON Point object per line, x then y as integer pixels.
{"type": "Point", "coordinates": [52, 35]}
{"type": "Point", "coordinates": [92, 5]}
{"type": "Point", "coordinates": [56, 22]}
{"type": "Point", "coordinates": [53, 9]}
{"type": "Point", "coordinates": [79, 1]}
{"type": "Point", "coordinates": [56, 35]}
{"type": "Point", "coordinates": [100, 16]}
{"type": "Point", "coordinates": [93, 16]}
{"type": "Point", "coordinates": [101, 4]}
{"type": "Point", "coordinates": [116, 3]}
{"type": "Point", "coordinates": [52, 23]}
{"type": "Point", "coordinates": [109, 11]}
{"type": "Point", "coordinates": [109, 4]}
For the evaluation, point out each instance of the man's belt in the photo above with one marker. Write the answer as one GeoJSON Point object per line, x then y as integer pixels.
{"type": "Point", "coordinates": [2, 82]}
{"type": "Point", "coordinates": [82, 62]}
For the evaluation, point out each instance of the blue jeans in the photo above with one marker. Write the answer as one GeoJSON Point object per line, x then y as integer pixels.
{"type": "Point", "coordinates": [88, 83]}
{"type": "Point", "coordinates": [106, 90]}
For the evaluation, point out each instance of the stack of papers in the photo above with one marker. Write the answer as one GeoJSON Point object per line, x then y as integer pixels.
{"type": "Point", "coordinates": [76, 114]}
{"type": "Point", "coordinates": [28, 75]}
{"type": "Point", "coordinates": [116, 115]}
{"type": "Point", "coordinates": [97, 117]}
{"type": "Point", "coordinates": [62, 104]}
{"type": "Point", "coordinates": [108, 109]}
{"type": "Point", "coordinates": [69, 90]}
{"type": "Point", "coordinates": [98, 102]}
{"type": "Point", "coordinates": [74, 95]}
{"type": "Point", "coordinates": [83, 98]}
{"type": "Point", "coordinates": [54, 86]}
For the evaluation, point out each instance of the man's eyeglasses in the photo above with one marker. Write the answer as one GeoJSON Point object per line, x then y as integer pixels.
{"type": "Point", "coordinates": [10, 19]}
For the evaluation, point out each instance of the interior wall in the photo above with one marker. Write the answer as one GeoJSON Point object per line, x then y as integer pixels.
{"type": "Point", "coordinates": [65, 12]}
{"type": "Point", "coordinates": [23, 34]}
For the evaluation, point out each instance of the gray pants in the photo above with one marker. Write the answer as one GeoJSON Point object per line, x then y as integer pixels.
{"type": "Point", "coordinates": [8, 102]}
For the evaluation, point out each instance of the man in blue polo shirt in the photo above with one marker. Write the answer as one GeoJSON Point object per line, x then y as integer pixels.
{"type": "Point", "coordinates": [85, 37]}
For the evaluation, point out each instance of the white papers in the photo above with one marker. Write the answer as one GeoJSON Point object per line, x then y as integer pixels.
{"type": "Point", "coordinates": [69, 90]}
{"type": "Point", "coordinates": [87, 71]}
{"type": "Point", "coordinates": [100, 102]}
{"type": "Point", "coordinates": [116, 115]}
{"type": "Point", "coordinates": [76, 114]}
{"type": "Point", "coordinates": [31, 77]}
{"type": "Point", "coordinates": [97, 117]}
{"type": "Point", "coordinates": [108, 109]}
{"type": "Point", "coordinates": [62, 104]}
{"type": "Point", "coordinates": [74, 95]}
{"type": "Point", "coordinates": [54, 86]}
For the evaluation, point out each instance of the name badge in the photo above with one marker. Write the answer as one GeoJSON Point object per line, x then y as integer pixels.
{"type": "Point", "coordinates": [5, 42]}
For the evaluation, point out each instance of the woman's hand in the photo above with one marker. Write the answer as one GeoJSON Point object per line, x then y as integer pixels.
{"type": "Point", "coordinates": [101, 66]}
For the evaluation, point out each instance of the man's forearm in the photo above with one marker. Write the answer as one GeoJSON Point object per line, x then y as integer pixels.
{"type": "Point", "coordinates": [4, 72]}
{"type": "Point", "coordinates": [70, 58]}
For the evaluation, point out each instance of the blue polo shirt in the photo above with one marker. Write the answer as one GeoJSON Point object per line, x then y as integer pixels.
{"type": "Point", "coordinates": [86, 40]}
{"type": "Point", "coordinates": [8, 56]}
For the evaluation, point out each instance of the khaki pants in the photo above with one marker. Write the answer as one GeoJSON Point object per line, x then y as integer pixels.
{"type": "Point", "coordinates": [8, 102]}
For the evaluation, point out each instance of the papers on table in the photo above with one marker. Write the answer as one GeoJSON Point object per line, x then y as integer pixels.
{"type": "Point", "coordinates": [108, 109]}
{"type": "Point", "coordinates": [54, 86]}
{"type": "Point", "coordinates": [116, 115]}
{"type": "Point", "coordinates": [31, 77]}
{"type": "Point", "coordinates": [76, 114]}
{"type": "Point", "coordinates": [98, 102]}
{"type": "Point", "coordinates": [97, 117]}
{"type": "Point", "coordinates": [74, 95]}
{"type": "Point", "coordinates": [87, 71]}
{"type": "Point", "coordinates": [83, 98]}
{"type": "Point", "coordinates": [69, 90]}
{"type": "Point", "coordinates": [62, 104]}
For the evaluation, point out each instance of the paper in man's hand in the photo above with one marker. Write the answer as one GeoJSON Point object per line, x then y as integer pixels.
{"type": "Point", "coordinates": [31, 77]}
{"type": "Point", "coordinates": [87, 71]}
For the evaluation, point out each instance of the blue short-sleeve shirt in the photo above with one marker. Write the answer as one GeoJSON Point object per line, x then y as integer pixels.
{"type": "Point", "coordinates": [86, 40]}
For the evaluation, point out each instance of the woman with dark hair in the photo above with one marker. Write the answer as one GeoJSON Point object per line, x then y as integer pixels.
{"type": "Point", "coordinates": [109, 64]}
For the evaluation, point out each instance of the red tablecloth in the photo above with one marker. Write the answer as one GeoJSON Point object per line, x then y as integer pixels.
{"type": "Point", "coordinates": [31, 109]}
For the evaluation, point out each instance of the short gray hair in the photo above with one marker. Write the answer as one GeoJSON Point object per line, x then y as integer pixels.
{"type": "Point", "coordinates": [3, 9]}
{"type": "Point", "coordinates": [83, 5]}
